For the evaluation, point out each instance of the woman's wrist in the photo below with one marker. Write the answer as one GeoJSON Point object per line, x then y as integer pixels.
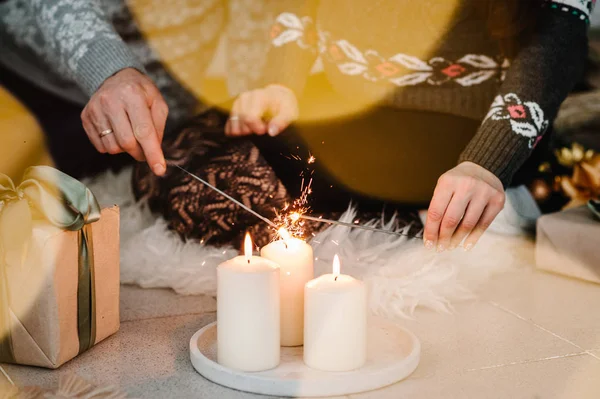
{"type": "Point", "coordinates": [279, 86]}
{"type": "Point", "coordinates": [484, 174]}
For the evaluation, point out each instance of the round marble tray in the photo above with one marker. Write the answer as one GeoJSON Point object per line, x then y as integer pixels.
{"type": "Point", "coordinates": [393, 354]}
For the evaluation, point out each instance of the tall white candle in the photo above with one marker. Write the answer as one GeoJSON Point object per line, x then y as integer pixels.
{"type": "Point", "coordinates": [295, 258]}
{"type": "Point", "coordinates": [248, 312]}
{"type": "Point", "coordinates": [335, 322]}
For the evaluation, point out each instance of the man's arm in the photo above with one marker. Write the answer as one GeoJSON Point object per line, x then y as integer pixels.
{"type": "Point", "coordinates": [125, 112]}
{"type": "Point", "coordinates": [81, 41]}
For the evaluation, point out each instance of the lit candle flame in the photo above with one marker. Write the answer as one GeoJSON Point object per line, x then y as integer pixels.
{"type": "Point", "coordinates": [284, 234]}
{"type": "Point", "coordinates": [248, 247]}
{"type": "Point", "coordinates": [336, 266]}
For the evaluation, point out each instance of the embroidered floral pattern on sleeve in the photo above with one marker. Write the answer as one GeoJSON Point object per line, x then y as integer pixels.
{"type": "Point", "coordinates": [578, 8]}
{"type": "Point", "coordinates": [289, 28]}
{"type": "Point", "coordinates": [526, 118]}
{"type": "Point", "coordinates": [399, 69]}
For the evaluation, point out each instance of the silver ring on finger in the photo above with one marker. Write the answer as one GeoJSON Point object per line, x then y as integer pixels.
{"type": "Point", "coordinates": [106, 132]}
{"type": "Point", "coordinates": [234, 118]}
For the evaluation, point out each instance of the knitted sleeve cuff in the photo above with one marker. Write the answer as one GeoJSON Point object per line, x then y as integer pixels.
{"type": "Point", "coordinates": [507, 136]}
{"type": "Point", "coordinates": [104, 58]}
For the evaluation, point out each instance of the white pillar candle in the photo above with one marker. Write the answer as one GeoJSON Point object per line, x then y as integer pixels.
{"type": "Point", "coordinates": [295, 258]}
{"type": "Point", "coordinates": [335, 324]}
{"type": "Point", "coordinates": [248, 312]}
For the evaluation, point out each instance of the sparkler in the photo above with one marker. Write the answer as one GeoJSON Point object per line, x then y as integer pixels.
{"type": "Point", "coordinates": [230, 198]}
{"type": "Point", "coordinates": [290, 219]}
{"type": "Point", "coordinates": [354, 226]}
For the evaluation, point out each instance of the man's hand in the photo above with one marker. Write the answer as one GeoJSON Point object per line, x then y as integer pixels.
{"type": "Point", "coordinates": [466, 200]}
{"type": "Point", "coordinates": [128, 114]}
{"type": "Point", "coordinates": [250, 109]}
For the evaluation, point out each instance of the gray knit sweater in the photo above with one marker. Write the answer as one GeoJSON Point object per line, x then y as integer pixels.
{"type": "Point", "coordinates": [70, 47]}
{"type": "Point", "coordinates": [74, 38]}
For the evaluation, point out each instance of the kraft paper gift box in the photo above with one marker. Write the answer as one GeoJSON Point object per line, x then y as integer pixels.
{"type": "Point", "coordinates": [568, 243]}
{"type": "Point", "coordinates": [59, 269]}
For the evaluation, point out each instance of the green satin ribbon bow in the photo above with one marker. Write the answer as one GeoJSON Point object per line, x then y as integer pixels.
{"type": "Point", "coordinates": [69, 205]}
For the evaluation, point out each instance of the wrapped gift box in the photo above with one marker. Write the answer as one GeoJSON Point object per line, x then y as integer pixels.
{"type": "Point", "coordinates": [568, 243]}
{"type": "Point", "coordinates": [59, 274]}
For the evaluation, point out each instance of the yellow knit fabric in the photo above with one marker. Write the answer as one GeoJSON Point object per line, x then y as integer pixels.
{"type": "Point", "coordinates": [184, 34]}
{"type": "Point", "coordinates": [379, 152]}
{"type": "Point", "coordinates": [381, 156]}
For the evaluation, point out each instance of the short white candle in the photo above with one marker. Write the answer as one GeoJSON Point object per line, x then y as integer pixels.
{"type": "Point", "coordinates": [295, 258]}
{"type": "Point", "coordinates": [248, 312]}
{"type": "Point", "coordinates": [335, 324]}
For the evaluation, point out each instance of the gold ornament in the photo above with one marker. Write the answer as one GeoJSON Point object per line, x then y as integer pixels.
{"type": "Point", "coordinates": [584, 184]}
{"type": "Point", "coordinates": [544, 167]}
{"type": "Point", "coordinates": [569, 157]}
{"type": "Point", "coordinates": [540, 190]}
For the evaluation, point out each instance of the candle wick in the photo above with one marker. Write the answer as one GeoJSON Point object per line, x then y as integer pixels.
{"type": "Point", "coordinates": [285, 243]}
{"type": "Point", "coordinates": [248, 261]}
{"type": "Point", "coordinates": [335, 279]}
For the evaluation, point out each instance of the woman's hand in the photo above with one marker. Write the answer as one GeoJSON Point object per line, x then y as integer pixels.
{"type": "Point", "coordinates": [128, 114]}
{"type": "Point", "coordinates": [275, 103]}
{"type": "Point", "coordinates": [466, 200]}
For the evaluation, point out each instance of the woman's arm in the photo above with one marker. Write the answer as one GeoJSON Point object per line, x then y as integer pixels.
{"type": "Point", "coordinates": [469, 197]}
{"type": "Point", "coordinates": [294, 50]}
{"type": "Point", "coordinates": [539, 79]}
{"type": "Point", "coordinates": [294, 45]}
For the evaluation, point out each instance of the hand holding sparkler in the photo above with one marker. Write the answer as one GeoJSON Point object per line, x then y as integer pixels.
{"type": "Point", "coordinates": [466, 200]}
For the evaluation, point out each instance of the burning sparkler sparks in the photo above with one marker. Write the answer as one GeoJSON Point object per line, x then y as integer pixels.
{"type": "Point", "coordinates": [283, 233]}
{"type": "Point", "coordinates": [289, 219]}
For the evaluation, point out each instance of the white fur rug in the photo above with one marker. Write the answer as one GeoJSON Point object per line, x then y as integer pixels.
{"type": "Point", "coordinates": [401, 274]}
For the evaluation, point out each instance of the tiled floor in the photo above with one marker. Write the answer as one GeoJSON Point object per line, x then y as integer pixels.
{"type": "Point", "coordinates": [139, 304]}
{"type": "Point", "coordinates": [532, 335]}
{"type": "Point", "coordinates": [541, 297]}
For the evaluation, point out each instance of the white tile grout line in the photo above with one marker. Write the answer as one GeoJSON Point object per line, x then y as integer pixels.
{"type": "Point", "coordinates": [528, 361]}
{"type": "Point", "coordinates": [497, 305]}
{"type": "Point", "coordinates": [7, 376]}
{"type": "Point", "coordinates": [592, 354]}
{"type": "Point", "coordinates": [588, 352]}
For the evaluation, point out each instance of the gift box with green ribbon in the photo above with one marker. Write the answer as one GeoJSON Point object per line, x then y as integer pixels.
{"type": "Point", "coordinates": [59, 269]}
